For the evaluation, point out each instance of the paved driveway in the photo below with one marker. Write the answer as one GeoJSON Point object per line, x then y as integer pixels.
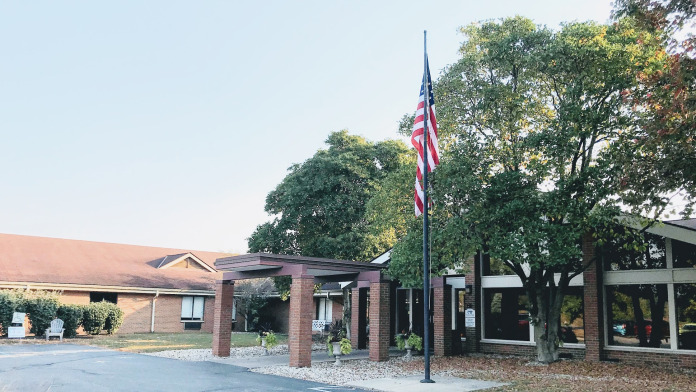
{"type": "Point", "coordinates": [75, 368]}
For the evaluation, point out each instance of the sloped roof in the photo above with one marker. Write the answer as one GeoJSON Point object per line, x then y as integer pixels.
{"type": "Point", "coordinates": [59, 261]}
{"type": "Point", "coordinates": [685, 223]}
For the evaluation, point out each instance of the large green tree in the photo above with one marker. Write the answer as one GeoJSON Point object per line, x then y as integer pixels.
{"type": "Point", "coordinates": [658, 157]}
{"type": "Point", "coordinates": [319, 209]}
{"type": "Point", "coordinates": [531, 115]}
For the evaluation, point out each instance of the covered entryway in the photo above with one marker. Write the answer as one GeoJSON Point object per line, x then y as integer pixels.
{"type": "Point", "coordinates": [305, 273]}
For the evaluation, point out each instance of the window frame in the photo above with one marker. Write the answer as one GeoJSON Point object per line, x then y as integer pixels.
{"type": "Point", "coordinates": [194, 299]}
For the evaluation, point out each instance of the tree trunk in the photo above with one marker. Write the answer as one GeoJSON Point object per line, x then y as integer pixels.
{"type": "Point", "coordinates": [547, 323]}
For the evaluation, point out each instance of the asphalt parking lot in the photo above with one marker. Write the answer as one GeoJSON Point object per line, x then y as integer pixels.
{"type": "Point", "coordinates": [75, 368]}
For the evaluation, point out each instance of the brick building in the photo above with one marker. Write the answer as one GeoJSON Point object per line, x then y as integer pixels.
{"type": "Point", "coordinates": [159, 289]}
{"type": "Point", "coordinates": [638, 309]}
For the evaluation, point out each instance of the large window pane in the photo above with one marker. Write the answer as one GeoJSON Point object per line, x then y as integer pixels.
{"type": "Point", "coordinates": [506, 314]}
{"type": "Point", "coordinates": [619, 254]}
{"type": "Point", "coordinates": [683, 254]}
{"type": "Point", "coordinates": [572, 321]}
{"type": "Point", "coordinates": [638, 315]}
{"type": "Point", "coordinates": [685, 295]}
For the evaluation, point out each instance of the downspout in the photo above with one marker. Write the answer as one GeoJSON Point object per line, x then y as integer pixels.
{"type": "Point", "coordinates": [152, 320]}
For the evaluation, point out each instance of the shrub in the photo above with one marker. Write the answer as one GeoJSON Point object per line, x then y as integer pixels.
{"type": "Point", "coordinates": [94, 317]}
{"type": "Point", "coordinates": [114, 319]}
{"type": "Point", "coordinates": [10, 301]}
{"type": "Point", "coordinates": [41, 306]}
{"type": "Point", "coordinates": [72, 317]}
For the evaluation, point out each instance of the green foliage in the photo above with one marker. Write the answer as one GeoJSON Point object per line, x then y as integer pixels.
{"type": "Point", "coordinates": [530, 119]}
{"type": "Point", "coordinates": [72, 318]}
{"type": "Point", "coordinates": [319, 208]}
{"type": "Point", "coordinates": [251, 296]}
{"type": "Point", "coordinates": [94, 317]}
{"type": "Point", "coordinates": [415, 341]}
{"type": "Point", "coordinates": [271, 339]}
{"type": "Point", "coordinates": [41, 307]}
{"type": "Point", "coordinates": [11, 301]}
{"type": "Point", "coordinates": [344, 344]}
{"type": "Point", "coordinates": [114, 318]}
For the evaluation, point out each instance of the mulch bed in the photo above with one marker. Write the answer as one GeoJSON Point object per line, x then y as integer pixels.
{"type": "Point", "coordinates": [522, 374]}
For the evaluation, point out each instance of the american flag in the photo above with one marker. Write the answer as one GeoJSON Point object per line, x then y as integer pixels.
{"type": "Point", "coordinates": [417, 139]}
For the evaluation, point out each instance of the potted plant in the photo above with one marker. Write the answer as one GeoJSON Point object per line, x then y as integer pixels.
{"type": "Point", "coordinates": [336, 342]}
{"type": "Point", "coordinates": [267, 339]}
{"type": "Point", "coordinates": [408, 340]}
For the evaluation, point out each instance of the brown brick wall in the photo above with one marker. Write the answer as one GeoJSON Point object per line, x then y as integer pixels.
{"type": "Point", "coordinates": [593, 318]}
{"type": "Point", "coordinates": [222, 319]}
{"type": "Point", "coordinates": [379, 321]}
{"type": "Point", "coordinates": [302, 312]}
{"type": "Point", "coordinates": [442, 320]}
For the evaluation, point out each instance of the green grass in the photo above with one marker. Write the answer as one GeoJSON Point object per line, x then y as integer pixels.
{"type": "Point", "coordinates": [153, 342]}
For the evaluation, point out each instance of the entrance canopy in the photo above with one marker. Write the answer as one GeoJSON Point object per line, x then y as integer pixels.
{"type": "Point", "coordinates": [261, 265]}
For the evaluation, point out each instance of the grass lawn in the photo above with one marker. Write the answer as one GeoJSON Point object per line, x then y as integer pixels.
{"type": "Point", "coordinates": [152, 342]}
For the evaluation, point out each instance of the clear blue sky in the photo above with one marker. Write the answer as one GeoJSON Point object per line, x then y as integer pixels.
{"type": "Point", "coordinates": [166, 123]}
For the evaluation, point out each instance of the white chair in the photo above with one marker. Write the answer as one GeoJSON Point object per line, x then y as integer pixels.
{"type": "Point", "coordinates": [56, 329]}
{"type": "Point", "coordinates": [319, 325]}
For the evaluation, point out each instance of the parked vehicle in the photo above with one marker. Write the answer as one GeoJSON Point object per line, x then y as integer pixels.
{"type": "Point", "coordinates": [687, 336]}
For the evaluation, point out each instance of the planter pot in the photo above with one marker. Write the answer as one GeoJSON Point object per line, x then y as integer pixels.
{"type": "Point", "coordinates": [263, 344]}
{"type": "Point", "coordinates": [408, 350]}
{"type": "Point", "coordinates": [337, 352]}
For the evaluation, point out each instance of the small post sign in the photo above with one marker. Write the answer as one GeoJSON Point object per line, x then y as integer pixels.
{"type": "Point", "coordinates": [470, 318]}
{"type": "Point", "coordinates": [16, 330]}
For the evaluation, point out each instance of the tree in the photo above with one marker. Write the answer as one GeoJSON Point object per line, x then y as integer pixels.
{"type": "Point", "coordinates": [527, 176]}
{"type": "Point", "coordinates": [251, 296]}
{"type": "Point", "coordinates": [659, 155]}
{"type": "Point", "coordinates": [319, 208]}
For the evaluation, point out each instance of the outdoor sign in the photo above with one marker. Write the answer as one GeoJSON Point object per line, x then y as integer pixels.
{"type": "Point", "coordinates": [18, 318]}
{"type": "Point", "coordinates": [470, 318]}
{"type": "Point", "coordinates": [17, 329]}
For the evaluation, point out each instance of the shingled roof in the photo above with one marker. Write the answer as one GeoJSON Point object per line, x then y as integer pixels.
{"type": "Point", "coordinates": [28, 259]}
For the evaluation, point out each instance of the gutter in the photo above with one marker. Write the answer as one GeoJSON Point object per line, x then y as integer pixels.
{"type": "Point", "coordinates": [152, 321]}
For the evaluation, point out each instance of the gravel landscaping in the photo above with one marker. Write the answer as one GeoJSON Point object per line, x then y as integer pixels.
{"type": "Point", "coordinates": [520, 373]}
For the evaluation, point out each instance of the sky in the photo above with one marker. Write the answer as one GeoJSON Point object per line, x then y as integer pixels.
{"type": "Point", "coordinates": [166, 123]}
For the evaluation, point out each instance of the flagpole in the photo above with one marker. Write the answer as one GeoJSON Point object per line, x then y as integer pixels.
{"type": "Point", "coordinates": [426, 259]}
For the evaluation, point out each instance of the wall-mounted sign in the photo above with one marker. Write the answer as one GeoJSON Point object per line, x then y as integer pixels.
{"type": "Point", "coordinates": [470, 318]}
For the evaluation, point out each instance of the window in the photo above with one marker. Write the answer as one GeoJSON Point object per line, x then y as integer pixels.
{"type": "Point", "coordinates": [686, 315]}
{"type": "Point", "coordinates": [192, 308]}
{"type": "Point", "coordinates": [506, 316]}
{"type": "Point", "coordinates": [99, 296]}
{"type": "Point", "coordinates": [619, 254]}
{"type": "Point", "coordinates": [572, 312]}
{"type": "Point", "coordinates": [683, 254]}
{"type": "Point", "coordinates": [638, 315]}
{"type": "Point", "coordinates": [325, 309]}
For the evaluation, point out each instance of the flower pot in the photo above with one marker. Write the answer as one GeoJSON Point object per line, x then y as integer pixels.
{"type": "Point", "coordinates": [337, 352]}
{"type": "Point", "coordinates": [263, 344]}
{"type": "Point", "coordinates": [408, 347]}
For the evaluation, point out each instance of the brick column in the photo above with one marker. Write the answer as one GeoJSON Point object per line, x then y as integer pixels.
{"type": "Point", "coordinates": [379, 321]}
{"type": "Point", "coordinates": [594, 320]}
{"type": "Point", "coordinates": [442, 318]}
{"type": "Point", "coordinates": [222, 320]}
{"type": "Point", "coordinates": [358, 303]}
{"type": "Point", "coordinates": [301, 315]}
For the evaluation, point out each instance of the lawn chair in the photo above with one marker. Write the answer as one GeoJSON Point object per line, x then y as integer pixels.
{"type": "Point", "coordinates": [319, 325]}
{"type": "Point", "coordinates": [56, 329]}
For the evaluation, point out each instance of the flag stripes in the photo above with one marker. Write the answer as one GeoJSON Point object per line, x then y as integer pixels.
{"type": "Point", "coordinates": [417, 139]}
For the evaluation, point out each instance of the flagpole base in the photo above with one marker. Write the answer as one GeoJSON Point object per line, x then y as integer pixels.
{"type": "Point", "coordinates": [427, 381]}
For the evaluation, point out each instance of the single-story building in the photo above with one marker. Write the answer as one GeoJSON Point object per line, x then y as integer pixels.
{"type": "Point", "coordinates": [637, 310]}
{"type": "Point", "coordinates": [158, 289]}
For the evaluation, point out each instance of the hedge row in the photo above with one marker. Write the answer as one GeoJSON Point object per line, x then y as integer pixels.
{"type": "Point", "coordinates": [43, 306]}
